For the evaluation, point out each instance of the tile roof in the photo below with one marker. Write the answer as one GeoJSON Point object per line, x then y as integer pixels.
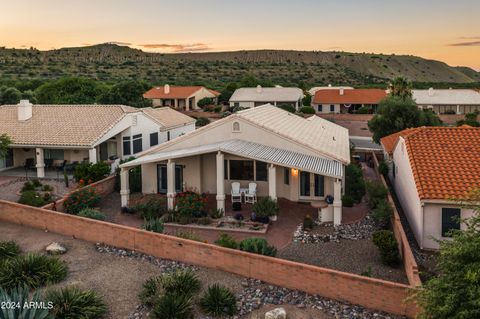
{"type": "Point", "coordinates": [355, 96]}
{"type": "Point", "coordinates": [388, 142]}
{"type": "Point", "coordinates": [168, 117]}
{"type": "Point", "coordinates": [445, 161]}
{"type": "Point", "coordinates": [446, 97]}
{"type": "Point", "coordinates": [176, 92]}
{"type": "Point", "coordinates": [261, 94]}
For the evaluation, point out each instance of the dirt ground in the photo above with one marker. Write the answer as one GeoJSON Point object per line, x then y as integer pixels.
{"type": "Point", "coordinates": [11, 186]}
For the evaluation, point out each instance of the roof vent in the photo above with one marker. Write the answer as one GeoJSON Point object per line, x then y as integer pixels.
{"type": "Point", "coordinates": [259, 88]}
{"type": "Point", "coordinates": [166, 88]}
{"type": "Point", "coordinates": [342, 91]}
{"type": "Point", "coordinates": [329, 85]}
{"type": "Point", "coordinates": [430, 92]}
{"type": "Point", "coordinates": [24, 111]}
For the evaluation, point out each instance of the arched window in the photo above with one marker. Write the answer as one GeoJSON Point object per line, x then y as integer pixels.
{"type": "Point", "coordinates": [236, 127]}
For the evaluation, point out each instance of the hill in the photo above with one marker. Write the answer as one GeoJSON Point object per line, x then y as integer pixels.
{"type": "Point", "coordinates": [109, 62]}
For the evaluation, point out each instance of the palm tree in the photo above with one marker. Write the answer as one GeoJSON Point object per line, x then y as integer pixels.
{"type": "Point", "coordinates": [401, 87]}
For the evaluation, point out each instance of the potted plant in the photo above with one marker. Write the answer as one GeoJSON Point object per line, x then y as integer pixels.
{"type": "Point", "coordinates": [265, 209]}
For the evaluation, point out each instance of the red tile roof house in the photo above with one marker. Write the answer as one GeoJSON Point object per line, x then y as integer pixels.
{"type": "Point", "coordinates": [179, 97]}
{"type": "Point", "coordinates": [345, 100]}
{"type": "Point", "coordinates": [432, 169]}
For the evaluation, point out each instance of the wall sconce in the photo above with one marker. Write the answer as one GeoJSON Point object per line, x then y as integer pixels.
{"type": "Point", "coordinates": [294, 172]}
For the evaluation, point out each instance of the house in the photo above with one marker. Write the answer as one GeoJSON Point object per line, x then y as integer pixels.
{"type": "Point", "coordinates": [180, 97]}
{"type": "Point", "coordinates": [44, 136]}
{"type": "Point", "coordinates": [253, 97]}
{"type": "Point", "coordinates": [431, 169]}
{"type": "Point", "coordinates": [345, 100]}
{"type": "Point", "coordinates": [314, 90]}
{"type": "Point", "coordinates": [296, 158]}
{"type": "Point", "coordinates": [448, 101]}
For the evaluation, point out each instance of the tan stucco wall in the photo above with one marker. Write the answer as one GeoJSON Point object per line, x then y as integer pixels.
{"type": "Point", "coordinates": [326, 108]}
{"type": "Point", "coordinates": [20, 155]}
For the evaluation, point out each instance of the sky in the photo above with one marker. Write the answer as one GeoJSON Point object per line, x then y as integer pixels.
{"type": "Point", "coordinates": [437, 29]}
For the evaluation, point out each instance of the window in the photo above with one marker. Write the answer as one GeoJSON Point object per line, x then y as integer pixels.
{"type": "Point", "coordinates": [320, 108]}
{"type": "Point", "coordinates": [137, 143]}
{"type": "Point", "coordinates": [153, 139]}
{"type": "Point", "coordinates": [332, 108]}
{"type": "Point", "coordinates": [126, 146]}
{"type": "Point", "coordinates": [261, 171]}
{"type": "Point", "coordinates": [304, 184]}
{"type": "Point", "coordinates": [168, 136]}
{"type": "Point", "coordinates": [319, 185]}
{"type": "Point", "coordinates": [450, 220]}
{"type": "Point", "coordinates": [236, 104]}
{"type": "Point", "coordinates": [286, 176]}
{"type": "Point", "coordinates": [241, 170]}
{"type": "Point", "coordinates": [236, 127]}
{"type": "Point", "coordinates": [225, 169]}
{"type": "Point", "coordinates": [54, 154]}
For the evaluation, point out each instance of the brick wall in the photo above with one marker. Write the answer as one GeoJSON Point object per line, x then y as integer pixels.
{"type": "Point", "coordinates": [409, 262]}
{"type": "Point", "coordinates": [368, 292]}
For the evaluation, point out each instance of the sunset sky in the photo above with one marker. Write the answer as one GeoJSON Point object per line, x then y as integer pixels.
{"type": "Point", "coordinates": [438, 29]}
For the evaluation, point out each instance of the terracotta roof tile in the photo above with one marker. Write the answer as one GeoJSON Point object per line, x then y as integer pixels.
{"type": "Point", "coordinates": [388, 142]}
{"type": "Point", "coordinates": [176, 92]}
{"type": "Point", "coordinates": [355, 96]}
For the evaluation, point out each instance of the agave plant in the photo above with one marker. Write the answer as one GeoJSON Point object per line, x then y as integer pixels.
{"type": "Point", "coordinates": [150, 290]}
{"type": "Point", "coordinates": [8, 249]}
{"type": "Point", "coordinates": [218, 301]}
{"type": "Point", "coordinates": [13, 304]}
{"type": "Point", "coordinates": [74, 303]}
{"type": "Point", "coordinates": [173, 306]}
{"type": "Point", "coordinates": [184, 282]}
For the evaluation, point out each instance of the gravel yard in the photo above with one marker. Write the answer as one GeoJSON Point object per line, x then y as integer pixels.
{"type": "Point", "coordinates": [10, 188]}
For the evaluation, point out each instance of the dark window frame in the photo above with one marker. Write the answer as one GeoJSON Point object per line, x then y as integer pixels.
{"type": "Point", "coordinates": [126, 143]}
{"type": "Point", "coordinates": [153, 139]}
{"type": "Point", "coordinates": [238, 170]}
{"type": "Point", "coordinates": [450, 220]}
{"type": "Point", "coordinates": [286, 176]}
{"type": "Point", "coordinates": [261, 171]}
{"type": "Point", "coordinates": [137, 148]}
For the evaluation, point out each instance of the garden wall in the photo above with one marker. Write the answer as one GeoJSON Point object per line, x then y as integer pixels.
{"type": "Point", "coordinates": [409, 262]}
{"type": "Point", "coordinates": [103, 187]}
{"type": "Point", "coordinates": [368, 292]}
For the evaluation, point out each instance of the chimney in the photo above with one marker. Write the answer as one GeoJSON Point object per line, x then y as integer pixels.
{"type": "Point", "coordinates": [430, 92]}
{"type": "Point", "coordinates": [24, 110]}
{"type": "Point", "coordinates": [166, 88]}
{"type": "Point", "coordinates": [259, 88]}
{"type": "Point", "coordinates": [342, 91]}
{"type": "Point", "coordinates": [329, 85]}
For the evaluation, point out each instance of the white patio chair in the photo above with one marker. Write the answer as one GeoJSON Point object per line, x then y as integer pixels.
{"type": "Point", "coordinates": [251, 195]}
{"type": "Point", "coordinates": [236, 195]}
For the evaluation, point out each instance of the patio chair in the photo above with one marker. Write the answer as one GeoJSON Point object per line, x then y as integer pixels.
{"type": "Point", "coordinates": [29, 163]}
{"type": "Point", "coordinates": [251, 194]}
{"type": "Point", "coordinates": [236, 195]}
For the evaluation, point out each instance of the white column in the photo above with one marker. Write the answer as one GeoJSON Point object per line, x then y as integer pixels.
{"type": "Point", "coordinates": [220, 182]}
{"type": "Point", "coordinates": [175, 103]}
{"type": "Point", "coordinates": [40, 162]}
{"type": "Point", "coordinates": [272, 181]}
{"type": "Point", "coordinates": [187, 104]}
{"type": "Point", "coordinates": [458, 109]}
{"type": "Point", "coordinates": [124, 187]}
{"type": "Point", "coordinates": [170, 184]}
{"type": "Point", "coordinates": [337, 202]}
{"type": "Point", "coordinates": [92, 155]}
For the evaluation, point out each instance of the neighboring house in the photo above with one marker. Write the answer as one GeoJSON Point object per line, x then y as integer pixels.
{"type": "Point", "coordinates": [445, 101]}
{"type": "Point", "coordinates": [346, 100]}
{"type": "Point", "coordinates": [296, 158]}
{"type": "Point", "coordinates": [50, 135]}
{"type": "Point", "coordinates": [314, 90]}
{"type": "Point", "coordinates": [180, 97]}
{"type": "Point", "coordinates": [431, 169]}
{"type": "Point", "coordinates": [253, 97]}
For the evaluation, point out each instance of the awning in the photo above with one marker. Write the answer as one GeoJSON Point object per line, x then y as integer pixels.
{"type": "Point", "coordinates": [255, 151]}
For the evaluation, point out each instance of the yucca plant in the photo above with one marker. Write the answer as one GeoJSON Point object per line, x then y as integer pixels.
{"type": "Point", "coordinates": [183, 282]}
{"type": "Point", "coordinates": [218, 301]}
{"type": "Point", "coordinates": [173, 306]}
{"type": "Point", "coordinates": [32, 270]}
{"type": "Point", "coordinates": [8, 249]}
{"type": "Point", "coordinates": [155, 225]}
{"type": "Point", "coordinates": [150, 290]}
{"type": "Point", "coordinates": [20, 296]}
{"type": "Point", "coordinates": [74, 303]}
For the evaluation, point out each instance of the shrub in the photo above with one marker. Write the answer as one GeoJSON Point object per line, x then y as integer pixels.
{"type": "Point", "coordinates": [218, 301]}
{"type": "Point", "coordinates": [21, 296]}
{"type": "Point", "coordinates": [382, 214]}
{"type": "Point", "coordinates": [202, 121]}
{"type": "Point", "coordinates": [184, 282]}
{"type": "Point", "coordinates": [154, 225]}
{"type": "Point", "coordinates": [258, 246]}
{"type": "Point", "coordinates": [80, 200]}
{"type": "Point", "coordinates": [173, 306]}
{"type": "Point", "coordinates": [204, 220]}
{"type": "Point", "coordinates": [450, 112]}
{"type": "Point", "coordinates": [153, 208]}
{"type": "Point", "coordinates": [206, 101]}
{"type": "Point", "coordinates": [265, 207]}
{"type": "Point", "coordinates": [32, 198]}
{"type": "Point", "coordinates": [217, 109]}
{"type": "Point", "coordinates": [364, 110]}
{"type": "Point", "coordinates": [36, 182]}
{"type": "Point", "coordinates": [150, 290]}
{"type": "Point", "coordinates": [217, 213]}
{"type": "Point", "coordinates": [376, 193]}
{"type": "Point", "coordinates": [8, 249]}
{"type": "Point", "coordinates": [27, 186]}
{"type": "Point", "coordinates": [387, 245]}
{"type": "Point", "coordinates": [287, 107]}
{"type": "Point", "coordinates": [308, 223]}
{"type": "Point", "coordinates": [347, 201]}
{"type": "Point", "coordinates": [383, 168]}
{"type": "Point", "coordinates": [91, 213]}
{"type": "Point", "coordinates": [32, 270]}
{"type": "Point", "coordinates": [91, 173]}
{"type": "Point", "coordinates": [74, 303]}
{"type": "Point", "coordinates": [191, 204]}
{"type": "Point", "coordinates": [238, 216]}
{"type": "Point", "coordinates": [354, 183]}
{"type": "Point", "coordinates": [307, 110]}
{"type": "Point", "coordinates": [47, 188]}
{"type": "Point", "coordinates": [225, 240]}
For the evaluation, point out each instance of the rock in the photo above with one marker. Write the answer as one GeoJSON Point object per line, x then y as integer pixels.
{"type": "Point", "coordinates": [277, 313]}
{"type": "Point", "coordinates": [56, 249]}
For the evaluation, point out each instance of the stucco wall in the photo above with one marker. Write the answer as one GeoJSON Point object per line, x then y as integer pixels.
{"type": "Point", "coordinates": [326, 108]}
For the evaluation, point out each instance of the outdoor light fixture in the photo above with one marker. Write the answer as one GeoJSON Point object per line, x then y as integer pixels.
{"type": "Point", "coordinates": [294, 172]}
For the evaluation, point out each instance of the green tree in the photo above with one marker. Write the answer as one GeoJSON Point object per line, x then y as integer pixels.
{"type": "Point", "coordinates": [227, 93]}
{"type": "Point", "coordinates": [307, 99]}
{"type": "Point", "coordinates": [396, 114]}
{"type": "Point", "coordinates": [5, 142]}
{"type": "Point", "coordinates": [249, 80]}
{"type": "Point", "coordinates": [401, 88]}
{"type": "Point", "coordinates": [455, 292]}
{"type": "Point", "coordinates": [9, 95]}
{"type": "Point", "coordinates": [470, 119]}
{"type": "Point", "coordinates": [69, 91]}
{"type": "Point", "coordinates": [127, 93]}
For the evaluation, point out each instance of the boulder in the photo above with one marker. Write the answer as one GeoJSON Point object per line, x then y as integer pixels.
{"type": "Point", "coordinates": [56, 249]}
{"type": "Point", "coordinates": [277, 313]}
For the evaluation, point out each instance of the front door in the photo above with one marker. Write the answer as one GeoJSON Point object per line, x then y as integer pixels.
{"type": "Point", "coordinates": [104, 151]}
{"type": "Point", "coordinates": [312, 186]}
{"type": "Point", "coordinates": [162, 178]}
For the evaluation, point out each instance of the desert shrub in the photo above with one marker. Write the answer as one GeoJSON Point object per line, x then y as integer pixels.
{"type": "Point", "coordinates": [308, 223]}
{"type": "Point", "coordinates": [206, 101]}
{"type": "Point", "coordinates": [191, 204]}
{"type": "Point", "coordinates": [202, 121]}
{"type": "Point", "coordinates": [80, 200]}
{"type": "Point", "coordinates": [376, 193]}
{"type": "Point", "coordinates": [32, 198]}
{"type": "Point", "coordinates": [258, 246]}
{"type": "Point", "coordinates": [218, 301]}
{"type": "Point", "coordinates": [364, 110]}
{"type": "Point", "coordinates": [217, 109]}
{"type": "Point", "coordinates": [354, 183]}
{"type": "Point", "coordinates": [32, 270]}
{"type": "Point", "coordinates": [184, 282]}
{"type": "Point", "coordinates": [217, 213]}
{"type": "Point", "coordinates": [307, 110]}
{"type": "Point", "coordinates": [368, 272]}
{"type": "Point", "coordinates": [150, 290]}
{"type": "Point", "coordinates": [348, 201]}
{"type": "Point", "coordinates": [74, 303]}
{"type": "Point", "coordinates": [383, 168]}
{"type": "Point", "coordinates": [47, 188]}
{"type": "Point", "coordinates": [151, 209]}
{"type": "Point", "coordinates": [450, 112]}
{"type": "Point", "coordinates": [154, 225]}
{"type": "Point", "coordinates": [265, 207]}
{"type": "Point", "coordinates": [387, 245]}
{"type": "Point", "coordinates": [91, 173]}
{"type": "Point", "coordinates": [173, 306]}
{"type": "Point", "coordinates": [9, 249]}
{"type": "Point", "coordinates": [225, 240]}
{"type": "Point", "coordinates": [91, 213]}
{"type": "Point", "coordinates": [36, 182]}
{"type": "Point", "coordinates": [20, 295]}
{"type": "Point", "coordinates": [287, 107]}
{"type": "Point", "coordinates": [382, 213]}
{"type": "Point", "coordinates": [27, 186]}
{"type": "Point", "coordinates": [188, 235]}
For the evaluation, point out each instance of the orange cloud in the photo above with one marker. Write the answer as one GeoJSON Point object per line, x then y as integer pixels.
{"type": "Point", "coordinates": [465, 44]}
{"type": "Point", "coordinates": [177, 47]}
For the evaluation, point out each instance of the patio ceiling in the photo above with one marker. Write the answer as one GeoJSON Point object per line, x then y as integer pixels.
{"type": "Point", "coordinates": [259, 152]}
